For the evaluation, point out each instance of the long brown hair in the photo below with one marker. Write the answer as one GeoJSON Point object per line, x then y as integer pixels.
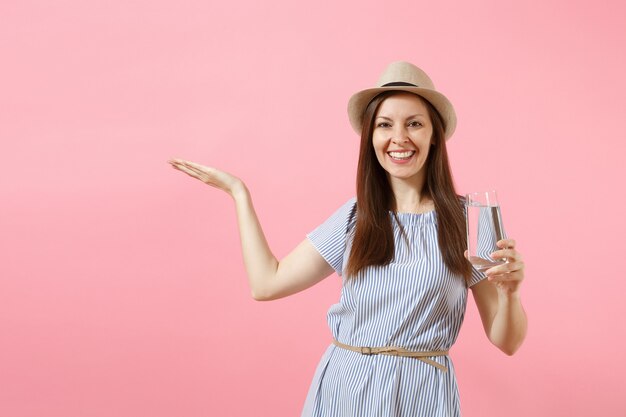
{"type": "Point", "coordinates": [373, 242]}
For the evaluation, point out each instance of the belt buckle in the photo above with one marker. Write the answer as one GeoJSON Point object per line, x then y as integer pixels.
{"type": "Point", "coordinates": [366, 350]}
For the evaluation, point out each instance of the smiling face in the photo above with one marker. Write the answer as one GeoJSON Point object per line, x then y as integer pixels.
{"type": "Point", "coordinates": [402, 136]}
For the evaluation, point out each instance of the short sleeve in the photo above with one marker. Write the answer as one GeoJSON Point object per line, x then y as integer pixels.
{"type": "Point", "coordinates": [490, 230]}
{"type": "Point", "coordinates": [476, 277]}
{"type": "Point", "coordinates": [330, 238]}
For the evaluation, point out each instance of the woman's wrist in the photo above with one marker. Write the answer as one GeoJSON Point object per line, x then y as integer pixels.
{"type": "Point", "coordinates": [508, 294]}
{"type": "Point", "coordinates": [239, 190]}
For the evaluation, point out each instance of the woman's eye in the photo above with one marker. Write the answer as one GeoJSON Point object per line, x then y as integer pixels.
{"type": "Point", "coordinates": [383, 124]}
{"type": "Point", "coordinates": [414, 124]}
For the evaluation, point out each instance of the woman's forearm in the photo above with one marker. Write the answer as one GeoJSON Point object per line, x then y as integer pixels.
{"type": "Point", "coordinates": [508, 329]}
{"type": "Point", "coordinates": [260, 263]}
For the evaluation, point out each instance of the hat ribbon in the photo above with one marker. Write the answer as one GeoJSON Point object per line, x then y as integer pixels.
{"type": "Point", "coordinates": [398, 84]}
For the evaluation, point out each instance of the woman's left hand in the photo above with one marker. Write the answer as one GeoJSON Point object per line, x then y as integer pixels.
{"type": "Point", "coordinates": [508, 276]}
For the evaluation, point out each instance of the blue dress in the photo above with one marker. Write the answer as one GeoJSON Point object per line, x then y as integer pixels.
{"type": "Point", "coordinates": [415, 302]}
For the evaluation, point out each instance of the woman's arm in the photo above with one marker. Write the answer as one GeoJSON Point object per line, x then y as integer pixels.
{"type": "Point", "coordinates": [269, 279]}
{"type": "Point", "coordinates": [498, 300]}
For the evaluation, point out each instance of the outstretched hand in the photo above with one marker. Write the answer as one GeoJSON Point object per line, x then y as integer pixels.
{"type": "Point", "coordinates": [209, 175]}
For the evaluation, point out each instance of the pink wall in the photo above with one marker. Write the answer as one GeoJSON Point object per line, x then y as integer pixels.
{"type": "Point", "coordinates": [122, 288]}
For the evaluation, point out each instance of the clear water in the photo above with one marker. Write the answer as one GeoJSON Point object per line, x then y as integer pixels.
{"type": "Point", "coordinates": [484, 229]}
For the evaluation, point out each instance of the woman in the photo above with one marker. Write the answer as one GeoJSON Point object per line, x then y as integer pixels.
{"type": "Point", "coordinates": [400, 251]}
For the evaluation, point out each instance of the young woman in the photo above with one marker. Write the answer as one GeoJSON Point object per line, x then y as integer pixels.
{"type": "Point", "coordinates": [399, 247]}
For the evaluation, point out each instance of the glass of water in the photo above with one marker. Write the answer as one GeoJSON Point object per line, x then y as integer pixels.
{"type": "Point", "coordinates": [484, 228]}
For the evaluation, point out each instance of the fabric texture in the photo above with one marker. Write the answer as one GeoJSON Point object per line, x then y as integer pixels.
{"type": "Point", "coordinates": [415, 302]}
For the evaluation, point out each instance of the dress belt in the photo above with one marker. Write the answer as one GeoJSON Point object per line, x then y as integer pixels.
{"type": "Point", "coordinates": [397, 351]}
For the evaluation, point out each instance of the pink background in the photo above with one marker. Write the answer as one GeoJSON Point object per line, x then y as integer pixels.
{"type": "Point", "coordinates": [122, 286]}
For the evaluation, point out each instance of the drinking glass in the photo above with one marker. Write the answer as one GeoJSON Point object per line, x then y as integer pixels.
{"type": "Point", "coordinates": [484, 228]}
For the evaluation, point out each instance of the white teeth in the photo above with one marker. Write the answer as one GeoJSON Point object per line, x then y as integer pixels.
{"type": "Point", "coordinates": [401, 154]}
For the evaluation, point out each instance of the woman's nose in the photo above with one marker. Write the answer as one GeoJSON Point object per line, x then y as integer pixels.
{"type": "Point", "coordinates": [400, 135]}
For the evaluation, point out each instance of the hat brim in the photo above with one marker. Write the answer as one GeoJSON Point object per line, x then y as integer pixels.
{"type": "Point", "coordinates": [359, 101]}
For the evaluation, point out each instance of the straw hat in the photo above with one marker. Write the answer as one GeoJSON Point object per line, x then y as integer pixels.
{"type": "Point", "coordinates": [403, 76]}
